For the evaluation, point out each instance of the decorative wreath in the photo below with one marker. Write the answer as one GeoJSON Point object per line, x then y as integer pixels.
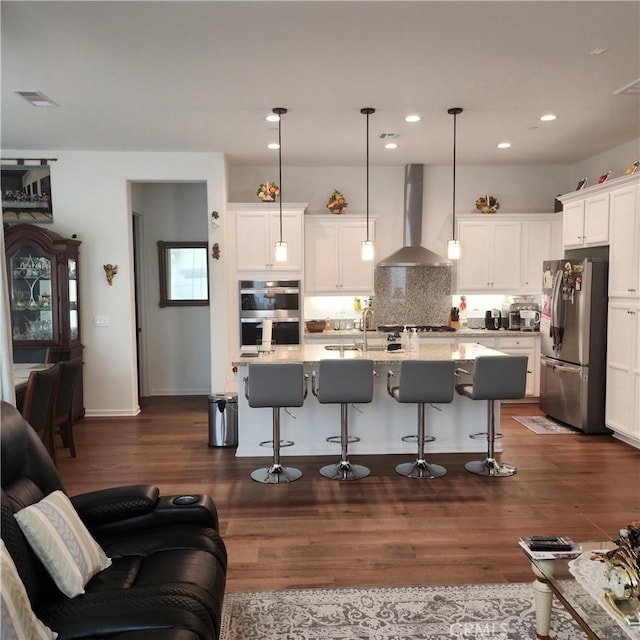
{"type": "Point", "coordinates": [268, 191]}
{"type": "Point", "coordinates": [487, 204]}
{"type": "Point", "coordinates": [337, 203]}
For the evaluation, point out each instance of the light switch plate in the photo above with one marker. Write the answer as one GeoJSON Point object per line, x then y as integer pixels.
{"type": "Point", "coordinates": [101, 321]}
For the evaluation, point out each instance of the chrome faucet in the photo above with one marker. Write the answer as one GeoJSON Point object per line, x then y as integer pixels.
{"type": "Point", "coordinates": [368, 312]}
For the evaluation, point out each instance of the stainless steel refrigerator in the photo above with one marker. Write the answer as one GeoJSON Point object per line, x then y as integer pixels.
{"type": "Point", "coordinates": [573, 328]}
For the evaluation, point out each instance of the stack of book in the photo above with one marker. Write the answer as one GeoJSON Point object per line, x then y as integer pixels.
{"type": "Point", "coordinates": [550, 547]}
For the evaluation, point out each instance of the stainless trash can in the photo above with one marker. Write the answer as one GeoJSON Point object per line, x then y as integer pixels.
{"type": "Point", "coordinates": [223, 420]}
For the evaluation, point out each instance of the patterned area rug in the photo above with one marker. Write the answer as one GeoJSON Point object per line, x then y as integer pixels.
{"type": "Point", "coordinates": [472, 612]}
{"type": "Point", "coordinates": [544, 426]}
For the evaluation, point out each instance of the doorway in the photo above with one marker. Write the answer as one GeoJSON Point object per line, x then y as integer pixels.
{"type": "Point", "coordinates": [172, 343]}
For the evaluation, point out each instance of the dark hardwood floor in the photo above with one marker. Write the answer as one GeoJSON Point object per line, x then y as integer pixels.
{"type": "Point", "coordinates": [382, 530]}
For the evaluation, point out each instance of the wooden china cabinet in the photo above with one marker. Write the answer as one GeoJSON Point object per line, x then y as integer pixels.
{"type": "Point", "coordinates": [42, 272]}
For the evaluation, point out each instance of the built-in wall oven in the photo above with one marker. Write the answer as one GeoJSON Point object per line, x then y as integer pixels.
{"type": "Point", "coordinates": [277, 301]}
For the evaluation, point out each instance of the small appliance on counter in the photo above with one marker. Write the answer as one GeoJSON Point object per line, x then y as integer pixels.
{"type": "Point", "coordinates": [524, 316]}
{"type": "Point", "coordinates": [493, 319]}
{"type": "Point", "coordinates": [529, 320]}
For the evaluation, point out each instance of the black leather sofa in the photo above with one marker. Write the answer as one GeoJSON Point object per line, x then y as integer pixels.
{"type": "Point", "coordinates": [167, 577]}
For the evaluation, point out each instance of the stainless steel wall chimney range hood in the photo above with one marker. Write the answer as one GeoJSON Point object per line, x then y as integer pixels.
{"type": "Point", "coordinates": [412, 253]}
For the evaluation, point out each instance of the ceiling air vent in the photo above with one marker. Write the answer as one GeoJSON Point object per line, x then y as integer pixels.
{"type": "Point", "coordinates": [391, 136]}
{"type": "Point", "coordinates": [631, 89]}
{"type": "Point", "coordinates": [36, 98]}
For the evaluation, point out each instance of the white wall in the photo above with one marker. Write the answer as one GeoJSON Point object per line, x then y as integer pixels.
{"type": "Point", "coordinates": [175, 341]}
{"type": "Point", "coordinates": [617, 159]}
{"type": "Point", "coordinates": [91, 198]}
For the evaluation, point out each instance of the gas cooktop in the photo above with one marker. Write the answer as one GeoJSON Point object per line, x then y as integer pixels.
{"type": "Point", "coordinates": [420, 328]}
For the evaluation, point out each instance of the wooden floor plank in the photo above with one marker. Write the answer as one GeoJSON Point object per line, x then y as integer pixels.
{"type": "Point", "coordinates": [382, 530]}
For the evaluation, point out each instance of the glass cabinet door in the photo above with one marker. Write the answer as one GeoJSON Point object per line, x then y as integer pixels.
{"type": "Point", "coordinates": [74, 332]}
{"type": "Point", "coordinates": [32, 297]}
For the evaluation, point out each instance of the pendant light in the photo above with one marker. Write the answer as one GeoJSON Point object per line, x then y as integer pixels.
{"type": "Point", "coordinates": [367, 245]}
{"type": "Point", "coordinates": [453, 246]}
{"type": "Point", "coordinates": [281, 246]}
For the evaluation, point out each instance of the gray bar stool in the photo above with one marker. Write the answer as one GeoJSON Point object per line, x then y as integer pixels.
{"type": "Point", "coordinates": [275, 385]}
{"type": "Point", "coordinates": [422, 381]}
{"type": "Point", "coordinates": [494, 378]}
{"type": "Point", "coordinates": [342, 382]}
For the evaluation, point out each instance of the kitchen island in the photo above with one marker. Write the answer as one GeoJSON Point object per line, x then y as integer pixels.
{"type": "Point", "coordinates": [381, 424]}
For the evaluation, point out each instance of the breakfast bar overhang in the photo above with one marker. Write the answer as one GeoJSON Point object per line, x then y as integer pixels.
{"type": "Point", "coordinates": [381, 424]}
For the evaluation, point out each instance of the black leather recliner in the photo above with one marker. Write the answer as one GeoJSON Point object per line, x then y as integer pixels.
{"type": "Point", "coordinates": [169, 563]}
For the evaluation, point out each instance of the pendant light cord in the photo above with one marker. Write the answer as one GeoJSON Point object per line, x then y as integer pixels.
{"type": "Point", "coordinates": [280, 169]}
{"type": "Point", "coordinates": [280, 111]}
{"type": "Point", "coordinates": [367, 177]}
{"type": "Point", "coordinates": [454, 111]}
{"type": "Point", "coordinates": [367, 111]}
{"type": "Point", "coordinates": [455, 118]}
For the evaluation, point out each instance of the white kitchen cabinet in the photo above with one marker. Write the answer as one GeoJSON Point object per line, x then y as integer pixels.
{"type": "Point", "coordinates": [503, 253]}
{"type": "Point", "coordinates": [622, 413]}
{"type": "Point", "coordinates": [490, 259]}
{"type": "Point", "coordinates": [333, 249]}
{"type": "Point", "coordinates": [541, 240]}
{"type": "Point", "coordinates": [525, 345]}
{"type": "Point", "coordinates": [585, 220]}
{"type": "Point", "coordinates": [624, 242]}
{"type": "Point", "coordinates": [257, 231]}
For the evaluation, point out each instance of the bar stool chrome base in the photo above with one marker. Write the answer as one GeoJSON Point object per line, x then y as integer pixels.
{"type": "Point", "coordinates": [420, 469]}
{"type": "Point", "coordinates": [344, 470]}
{"type": "Point", "coordinates": [490, 468]}
{"type": "Point", "coordinates": [276, 474]}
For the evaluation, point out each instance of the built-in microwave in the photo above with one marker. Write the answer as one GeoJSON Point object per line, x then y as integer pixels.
{"type": "Point", "coordinates": [274, 300]}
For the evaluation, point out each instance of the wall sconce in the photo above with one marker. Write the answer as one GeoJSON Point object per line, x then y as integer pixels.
{"type": "Point", "coordinates": [110, 270]}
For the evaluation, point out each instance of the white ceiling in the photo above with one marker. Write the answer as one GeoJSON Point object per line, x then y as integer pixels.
{"type": "Point", "coordinates": [202, 76]}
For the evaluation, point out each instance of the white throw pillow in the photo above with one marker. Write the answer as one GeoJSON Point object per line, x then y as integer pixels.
{"type": "Point", "coordinates": [62, 542]}
{"type": "Point", "coordinates": [18, 619]}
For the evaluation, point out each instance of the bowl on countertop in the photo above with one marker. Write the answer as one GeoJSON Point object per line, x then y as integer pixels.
{"type": "Point", "coordinates": [315, 326]}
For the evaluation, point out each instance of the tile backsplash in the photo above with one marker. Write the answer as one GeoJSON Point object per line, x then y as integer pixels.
{"type": "Point", "coordinates": [412, 295]}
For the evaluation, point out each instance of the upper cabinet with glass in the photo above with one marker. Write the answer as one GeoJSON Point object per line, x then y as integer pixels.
{"type": "Point", "coordinates": [43, 289]}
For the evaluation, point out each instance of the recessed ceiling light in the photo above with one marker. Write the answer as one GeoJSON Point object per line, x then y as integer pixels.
{"type": "Point", "coordinates": [598, 51]}
{"type": "Point", "coordinates": [504, 145]}
{"type": "Point", "coordinates": [548, 117]}
{"type": "Point", "coordinates": [413, 118]}
{"type": "Point", "coordinates": [273, 117]}
{"type": "Point", "coordinates": [36, 98]}
{"type": "Point", "coordinates": [273, 145]}
{"type": "Point", "coordinates": [391, 145]}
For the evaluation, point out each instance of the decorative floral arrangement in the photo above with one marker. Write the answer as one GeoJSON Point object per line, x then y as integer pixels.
{"type": "Point", "coordinates": [268, 191]}
{"type": "Point", "coordinates": [487, 204]}
{"type": "Point", "coordinates": [337, 203]}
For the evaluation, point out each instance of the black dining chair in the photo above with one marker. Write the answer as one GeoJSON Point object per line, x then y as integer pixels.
{"type": "Point", "coordinates": [70, 371]}
{"type": "Point", "coordinates": [39, 398]}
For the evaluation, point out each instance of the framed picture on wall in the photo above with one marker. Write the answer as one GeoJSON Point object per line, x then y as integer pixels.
{"type": "Point", "coordinates": [26, 193]}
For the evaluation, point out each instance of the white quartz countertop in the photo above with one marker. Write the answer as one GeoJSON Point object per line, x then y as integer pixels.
{"type": "Point", "coordinates": [312, 353]}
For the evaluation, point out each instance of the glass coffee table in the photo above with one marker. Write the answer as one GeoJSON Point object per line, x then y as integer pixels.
{"type": "Point", "coordinates": [554, 578]}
